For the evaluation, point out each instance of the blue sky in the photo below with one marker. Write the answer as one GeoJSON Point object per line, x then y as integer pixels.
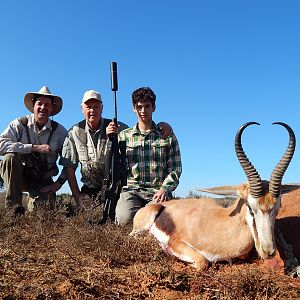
{"type": "Point", "coordinates": [214, 65]}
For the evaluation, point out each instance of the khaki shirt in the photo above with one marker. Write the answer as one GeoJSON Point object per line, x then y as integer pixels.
{"type": "Point", "coordinates": [79, 147]}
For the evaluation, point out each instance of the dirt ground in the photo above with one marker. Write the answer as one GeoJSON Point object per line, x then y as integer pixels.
{"type": "Point", "coordinates": [44, 255]}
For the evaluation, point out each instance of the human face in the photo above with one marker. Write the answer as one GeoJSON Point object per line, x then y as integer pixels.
{"type": "Point", "coordinates": [144, 111]}
{"type": "Point", "coordinates": [92, 111]}
{"type": "Point", "coordinates": [42, 109]}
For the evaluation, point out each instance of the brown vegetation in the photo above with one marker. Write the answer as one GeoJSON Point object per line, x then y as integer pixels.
{"type": "Point", "coordinates": [45, 255]}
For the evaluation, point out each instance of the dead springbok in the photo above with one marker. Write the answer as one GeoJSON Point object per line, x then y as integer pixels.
{"type": "Point", "coordinates": [200, 231]}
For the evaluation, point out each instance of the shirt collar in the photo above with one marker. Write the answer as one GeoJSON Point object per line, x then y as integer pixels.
{"type": "Point", "coordinates": [154, 128]}
{"type": "Point", "coordinates": [101, 124]}
{"type": "Point", "coordinates": [31, 122]}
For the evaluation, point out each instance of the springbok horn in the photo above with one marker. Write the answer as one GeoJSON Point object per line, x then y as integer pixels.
{"type": "Point", "coordinates": [255, 182]}
{"type": "Point", "coordinates": [279, 170]}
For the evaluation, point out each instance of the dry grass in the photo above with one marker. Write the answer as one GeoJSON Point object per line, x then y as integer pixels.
{"type": "Point", "coordinates": [45, 255]}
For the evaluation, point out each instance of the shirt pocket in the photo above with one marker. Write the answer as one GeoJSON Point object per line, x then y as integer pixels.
{"type": "Point", "coordinates": [134, 152]}
{"type": "Point", "coordinates": [82, 153]}
{"type": "Point", "coordinates": [160, 150]}
{"type": "Point", "coordinates": [133, 146]}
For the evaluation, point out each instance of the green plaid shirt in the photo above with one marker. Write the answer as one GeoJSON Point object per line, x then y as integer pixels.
{"type": "Point", "coordinates": [154, 162]}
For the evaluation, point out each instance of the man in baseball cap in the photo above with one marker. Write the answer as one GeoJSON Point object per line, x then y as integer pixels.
{"type": "Point", "coordinates": [86, 144]}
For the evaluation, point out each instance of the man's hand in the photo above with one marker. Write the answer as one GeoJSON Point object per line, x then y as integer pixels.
{"type": "Point", "coordinates": [165, 129]}
{"type": "Point", "coordinates": [44, 148]}
{"type": "Point", "coordinates": [111, 129]}
{"type": "Point", "coordinates": [52, 188]}
{"type": "Point", "coordinates": [160, 196]}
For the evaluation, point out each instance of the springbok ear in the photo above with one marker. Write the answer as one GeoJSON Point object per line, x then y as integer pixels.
{"type": "Point", "coordinates": [286, 188]}
{"type": "Point", "coordinates": [226, 190]}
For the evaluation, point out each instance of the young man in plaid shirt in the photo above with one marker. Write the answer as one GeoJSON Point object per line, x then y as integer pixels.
{"type": "Point", "coordinates": [154, 161]}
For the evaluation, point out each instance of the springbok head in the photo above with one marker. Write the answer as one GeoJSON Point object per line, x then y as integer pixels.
{"type": "Point", "coordinates": [263, 197]}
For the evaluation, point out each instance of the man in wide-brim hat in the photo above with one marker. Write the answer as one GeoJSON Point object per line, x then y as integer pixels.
{"type": "Point", "coordinates": [30, 146]}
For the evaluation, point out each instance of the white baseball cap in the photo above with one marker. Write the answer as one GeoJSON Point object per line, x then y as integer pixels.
{"type": "Point", "coordinates": [91, 94]}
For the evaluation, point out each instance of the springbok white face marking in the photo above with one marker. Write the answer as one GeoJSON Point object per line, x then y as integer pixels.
{"type": "Point", "coordinates": [260, 217]}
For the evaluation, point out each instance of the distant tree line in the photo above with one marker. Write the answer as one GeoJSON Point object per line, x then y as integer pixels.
{"type": "Point", "coordinates": [223, 201]}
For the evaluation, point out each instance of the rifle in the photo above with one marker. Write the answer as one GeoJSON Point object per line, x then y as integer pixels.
{"type": "Point", "coordinates": [115, 162]}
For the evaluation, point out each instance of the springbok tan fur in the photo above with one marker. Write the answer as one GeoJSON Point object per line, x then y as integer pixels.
{"type": "Point", "coordinates": [200, 231]}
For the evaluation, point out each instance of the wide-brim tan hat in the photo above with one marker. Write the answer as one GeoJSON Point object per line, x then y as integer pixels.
{"type": "Point", "coordinates": [44, 91]}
